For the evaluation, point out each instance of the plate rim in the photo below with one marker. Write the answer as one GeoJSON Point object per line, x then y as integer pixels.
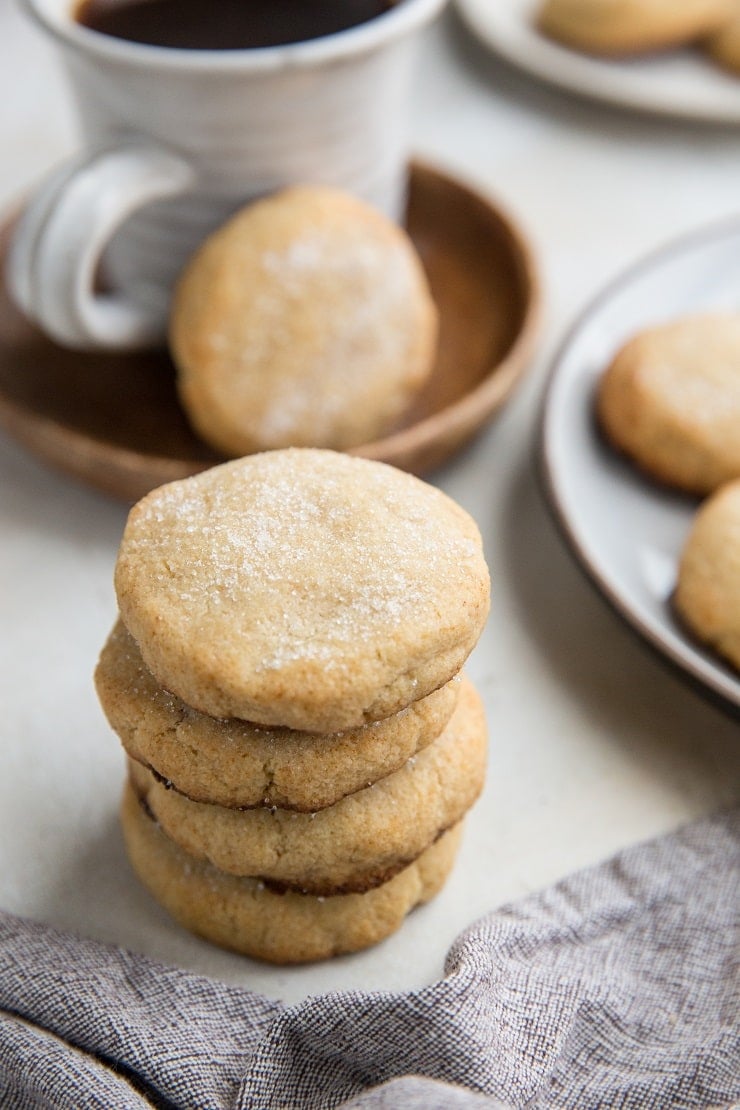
{"type": "Point", "coordinates": [501, 379]}
{"type": "Point", "coordinates": [723, 689]}
{"type": "Point", "coordinates": [574, 81]}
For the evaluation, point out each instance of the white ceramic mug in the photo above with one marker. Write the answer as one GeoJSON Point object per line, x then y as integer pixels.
{"type": "Point", "coordinates": [176, 140]}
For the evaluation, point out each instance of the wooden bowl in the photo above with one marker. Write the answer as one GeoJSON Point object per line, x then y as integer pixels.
{"type": "Point", "coordinates": [114, 421]}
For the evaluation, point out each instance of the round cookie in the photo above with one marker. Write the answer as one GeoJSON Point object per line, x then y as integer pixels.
{"type": "Point", "coordinates": [306, 320]}
{"type": "Point", "coordinates": [302, 588]}
{"type": "Point", "coordinates": [724, 45]}
{"type": "Point", "coordinates": [630, 26]}
{"type": "Point", "coordinates": [707, 596]}
{"type": "Point", "coordinates": [247, 917]}
{"type": "Point", "coordinates": [236, 764]}
{"type": "Point", "coordinates": [671, 401]}
{"type": "Point", "coordinates": [360, 842]}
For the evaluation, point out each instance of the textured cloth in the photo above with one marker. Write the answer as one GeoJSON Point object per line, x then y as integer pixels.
{"type": "Point", "coordinates": [616, 988]}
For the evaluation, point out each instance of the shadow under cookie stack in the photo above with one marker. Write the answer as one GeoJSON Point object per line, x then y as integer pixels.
{"type": "Point", "coordinates": [285, 679]}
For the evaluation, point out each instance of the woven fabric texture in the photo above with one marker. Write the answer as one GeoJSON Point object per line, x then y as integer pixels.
{"type": "Point", "coordinates": [619, 987]}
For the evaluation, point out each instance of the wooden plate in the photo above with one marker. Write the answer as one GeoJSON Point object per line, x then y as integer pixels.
{"type": "Point", "coordinates": [114, 421]}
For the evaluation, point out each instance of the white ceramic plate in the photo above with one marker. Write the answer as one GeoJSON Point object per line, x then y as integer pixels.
{"type": "Point", "coordinates": [681, 84]}
{"type": "Point", "coordinates": [627, 532]}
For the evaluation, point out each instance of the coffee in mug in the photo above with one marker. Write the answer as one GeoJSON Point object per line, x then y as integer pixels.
{"type": "Point", "coordinates": [227, 25]}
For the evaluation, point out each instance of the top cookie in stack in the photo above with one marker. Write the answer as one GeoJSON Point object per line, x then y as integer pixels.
{"type": "Point", "coordinates": [302, 588]}
{"type": "Point", "coordinates": [284, 679]}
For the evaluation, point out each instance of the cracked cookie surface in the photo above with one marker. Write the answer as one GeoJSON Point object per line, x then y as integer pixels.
{"type": "Point", "coordinates": [233, 763]}
{"type": "Point", "coordinates": [243, 915]}
{"type": "Point", "coordinates": [354, 845]}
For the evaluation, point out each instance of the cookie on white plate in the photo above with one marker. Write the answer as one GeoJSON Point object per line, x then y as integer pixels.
{"type": "Point", "coordinates": [724, 45]}
{"type": "Point", "coordinates": [670, 400]}
{"type": "Point", "coordinates": [615, 27]}
{"type": "Point", "coordinates": [707, 595]}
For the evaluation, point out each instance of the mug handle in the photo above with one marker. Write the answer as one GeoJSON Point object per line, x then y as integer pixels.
{"type": "Point", "coordinates": [59, 240]}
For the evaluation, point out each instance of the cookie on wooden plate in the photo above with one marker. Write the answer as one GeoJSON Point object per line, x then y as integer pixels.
{"type": "Point", "coordinates": [306, 320]}
{"type": "Point", "coordinates": [671, 401]}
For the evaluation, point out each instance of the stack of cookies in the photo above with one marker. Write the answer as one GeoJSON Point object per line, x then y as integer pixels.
{"type": "Point", "coordinates": [285, 678]}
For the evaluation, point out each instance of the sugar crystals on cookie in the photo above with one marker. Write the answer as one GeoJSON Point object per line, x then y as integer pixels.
{"type": "Point", "coordinates": [302, 588]}
{"type": "Point", "coordinates": [306, 320]}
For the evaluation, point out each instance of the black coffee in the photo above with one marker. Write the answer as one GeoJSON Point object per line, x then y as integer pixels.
{"type": "Point", "coordinates": [225, 24]}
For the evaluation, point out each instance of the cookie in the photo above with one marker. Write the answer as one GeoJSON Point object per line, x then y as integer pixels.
{"type": "Point", "coordinates": [306, 320]}
{"type": "Point", "coordinates": [302, 588]}
{"type": "Point", "coordinates": [724, 45]}
{"type": "Point", "coordinates": [671, 401]}
{"type": "Point", "coordinates": [360, 842]}
{"type": "Point", "coordinates": [614, 27]}
{"type": "Point", "coordinates": [707, 596]}
{"type": "Point", "coordinates": [247, 917]}
{"type": "Point", "coordinates": [237, 764]}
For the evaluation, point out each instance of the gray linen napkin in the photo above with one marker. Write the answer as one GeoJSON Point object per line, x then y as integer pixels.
{"type": "Point", "coordinates": [618, 988]}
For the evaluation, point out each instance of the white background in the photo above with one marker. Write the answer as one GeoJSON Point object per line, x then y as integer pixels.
{"type": "Point", "coordinates": [595, 744]}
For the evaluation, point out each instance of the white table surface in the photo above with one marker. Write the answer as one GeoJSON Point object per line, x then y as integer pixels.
{"type": "Point", "coordinates": [595, 744]}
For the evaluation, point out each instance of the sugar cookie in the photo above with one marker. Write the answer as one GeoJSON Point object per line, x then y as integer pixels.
{"type": "Point", "coordinates": [671, 401]}
{"type": "Point", "coordinates": [305, 321]}
{"type": "Point", "coordinates": [247, 917]}
{"type": "Point", "coordinates": [236, 764]}
{"type": "Point", "coordinates": [302, 588]}
{"type": "Point", "coordinates": [360, 842]}
{"type": "Point", "coordinates": [630, 26]}
{"type": "Point", "coordinates": [707, 596]}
